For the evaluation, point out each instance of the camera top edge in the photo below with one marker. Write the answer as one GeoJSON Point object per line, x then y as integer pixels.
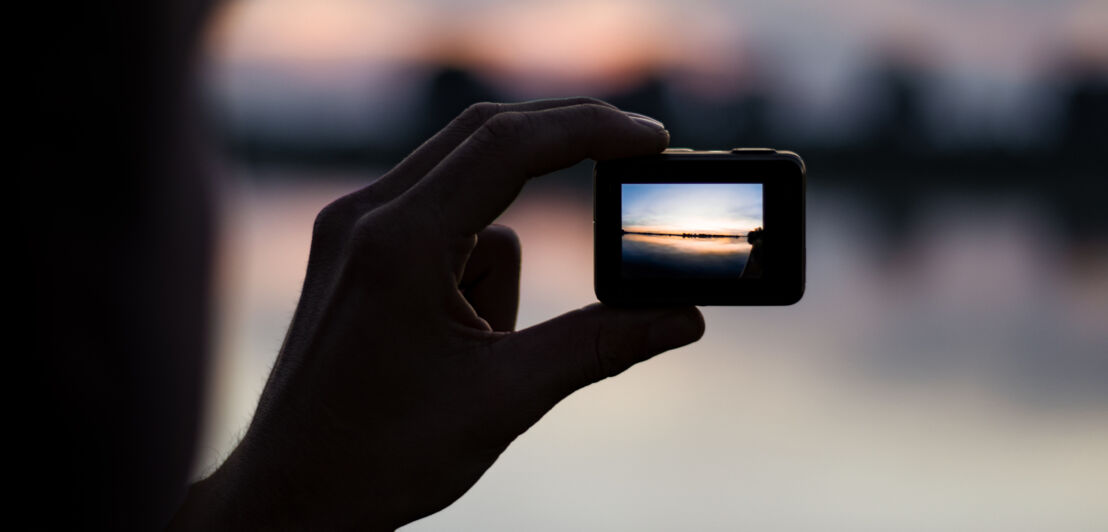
{"type": "Point", "coordinates": [745, 154]}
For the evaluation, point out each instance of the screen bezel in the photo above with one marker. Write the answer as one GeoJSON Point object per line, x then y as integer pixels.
{"type": "Point", "coordinates": [783, 182]}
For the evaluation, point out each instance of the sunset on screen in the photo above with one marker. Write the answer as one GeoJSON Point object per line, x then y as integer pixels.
{"type": "Point", "coordinates": [719, 209]}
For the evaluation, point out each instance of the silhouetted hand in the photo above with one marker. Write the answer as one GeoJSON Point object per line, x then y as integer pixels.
{"type": "Point", "coordinates": [400, 381]}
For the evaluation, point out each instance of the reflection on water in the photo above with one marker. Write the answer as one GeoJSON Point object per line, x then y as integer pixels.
{"type": "Point", "coordinates": [678, 256]}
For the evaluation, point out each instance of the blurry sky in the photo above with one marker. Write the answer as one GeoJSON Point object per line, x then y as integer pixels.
{"type": "Point", "coordinates": [949, 375]}
{"type": "Point", "coordinates": [358, 67]}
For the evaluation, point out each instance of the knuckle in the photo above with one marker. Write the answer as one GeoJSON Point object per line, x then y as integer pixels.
{"type": "Point", "coordinates": [588, 100]}
{"type": "Point", "coordinates": [618, 345]}
{"type": "Point", "coordinates": [582, 121]}
{"type": "Point", "coordinates": [373, 194]}
{"type": "Point", "coordinates": [607, 364]}
{"type": "Point", "coordinates": [368, 238]}
{"type": "Point", "coordinates": [477, 114]}
{"type": "Point", "coordinates": [504, 129]}
{"type": "Point", "coordinates": [332, 218]}
{"type": "Point", "coordinates": [604, 359]}
{"type": "Point", "coordinates": [370, 231]}
{"type": "Point", "coordinates": [593, 114]}
{"type": "Point", "coordinates": [499, 245]}
{"type": "Point", "coordinates": [331, 229]}
{"type": "Point", "coordinates": [504, 238]}
{"type": "Point", "coordinates": [386, 229]}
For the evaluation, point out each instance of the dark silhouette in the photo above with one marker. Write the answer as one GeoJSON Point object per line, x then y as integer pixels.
{"type": "Point", "coordinates": [901, 135]}
{"type": "Point", "coordinates": [1085, 114]}
{"type": "Point", "coordinates": [899, 124]}
{"type": "Point", "coordinates": [395, 387]}
{"type": "Point", "coordinates": [400, 380]}
{"type": "Point", "coordinates": [753, 268]}
{"type": "Point", "coordinates": [450, 90]}
{"type": "Point", "coordinates": [113, 227]}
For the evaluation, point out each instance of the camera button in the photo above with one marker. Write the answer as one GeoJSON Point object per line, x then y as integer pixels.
{"type": "Point", "coordinates": [754, 151]}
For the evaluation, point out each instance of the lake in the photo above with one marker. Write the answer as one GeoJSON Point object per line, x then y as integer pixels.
{"type": "Point", "coordinates": [678, 256]}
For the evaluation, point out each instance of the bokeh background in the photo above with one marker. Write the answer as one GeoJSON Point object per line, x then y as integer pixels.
{"type": "Point", "coordinates": [948, 367]}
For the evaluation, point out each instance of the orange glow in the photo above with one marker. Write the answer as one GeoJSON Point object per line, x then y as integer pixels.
{"type": "Point", "coordinates": [304, 31]}
{"type": "Point", "coordinates": [572, 41]}
{"type": "Point", "coordinates": [605, 44]}
{"type": "Point", "coordinates": [695, 246]}
{"type": "Point", "coordinates": [536, 47]}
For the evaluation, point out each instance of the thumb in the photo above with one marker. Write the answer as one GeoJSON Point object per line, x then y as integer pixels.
{"type": "Point", "coordinates": [549, 361]}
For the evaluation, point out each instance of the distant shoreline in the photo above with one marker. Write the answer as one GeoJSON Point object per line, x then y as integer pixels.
{"type": "Point", "coordinates": [684, 235]}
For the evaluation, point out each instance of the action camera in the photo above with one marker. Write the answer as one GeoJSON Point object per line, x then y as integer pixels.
{"type": "Point", "coordinates": [700, 227]}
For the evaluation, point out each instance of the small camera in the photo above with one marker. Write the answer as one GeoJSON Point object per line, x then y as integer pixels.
{"type": "Point", "coordinates": [700, 227]}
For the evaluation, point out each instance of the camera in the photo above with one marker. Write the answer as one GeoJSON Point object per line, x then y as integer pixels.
{"type": "Point", "coordinates": [700, 227]}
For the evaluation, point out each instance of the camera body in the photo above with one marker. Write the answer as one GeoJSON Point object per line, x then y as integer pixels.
{"type": "Point", "coordinates": [700, 227]}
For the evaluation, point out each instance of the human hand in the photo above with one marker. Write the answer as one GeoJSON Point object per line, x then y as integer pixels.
{"type": "Point", "coordinates": [400, 381]}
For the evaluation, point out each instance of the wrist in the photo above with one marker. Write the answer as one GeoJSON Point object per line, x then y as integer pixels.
{"type": "Point", "coordinates": [204, 508]}
{"type": "Point", "coordinates": [250, 491]}
{"type": "Point", "coordinates": [234, 498]}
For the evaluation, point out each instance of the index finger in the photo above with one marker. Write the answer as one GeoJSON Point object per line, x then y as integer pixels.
{"type": "Point", "coordinates": [416, 165]}
{"type": "Point", "coordinates": [481, 177]}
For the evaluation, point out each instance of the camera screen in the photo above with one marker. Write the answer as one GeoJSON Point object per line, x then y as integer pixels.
{"type": "Point", "coordinates": [691, 230]}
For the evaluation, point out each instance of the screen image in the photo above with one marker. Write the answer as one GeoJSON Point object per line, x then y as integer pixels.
{"type": "Point", "coordinates": [691, 230]}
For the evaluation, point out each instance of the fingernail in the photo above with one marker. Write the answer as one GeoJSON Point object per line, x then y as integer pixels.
{"type": "Point", "coordinates": [646, 120]}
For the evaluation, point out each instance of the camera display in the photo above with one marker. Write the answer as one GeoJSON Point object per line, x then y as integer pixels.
{"type": "Point", "coordinates": [703, 228]}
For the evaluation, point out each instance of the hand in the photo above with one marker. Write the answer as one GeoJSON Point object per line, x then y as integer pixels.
{"type": "Point", "coordinates": [400, 381]}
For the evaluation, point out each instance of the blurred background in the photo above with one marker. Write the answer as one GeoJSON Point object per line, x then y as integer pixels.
{"type": "Point", "coordinates": [948, 366]}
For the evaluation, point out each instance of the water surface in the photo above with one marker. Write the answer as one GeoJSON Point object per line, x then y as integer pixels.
{"type": "Point", "coordinates": [680, 256]}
